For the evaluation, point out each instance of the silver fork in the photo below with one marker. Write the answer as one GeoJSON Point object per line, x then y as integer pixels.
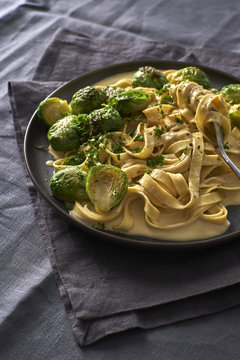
{"type": "Point", "coordinates": [225, 157]}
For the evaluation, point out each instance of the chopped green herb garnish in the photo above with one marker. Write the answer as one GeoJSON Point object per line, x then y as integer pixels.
{"type": "Point", "coordinates": [90, 162]}
{"type": "Point", "coordinates": [178, 120]}
{"type": "Point", "coordinates": [147, 171]}
{"type": "Point", "coordinates": [137, 150]}
{"type": "Point", "coordinates": [158, 132]}
{"type": "Point", "coordinates": [39, 147]}
{"type": "Point", "coordinates": [167, 99]}
{"type": "Point", "coordinates": [104, 144]}
{"type": "Point", "coordinates": [184, 150]}
{"type": "Point", "coordinates": [157, 161]}
{"type": "Point", "coordinates": [188, 101]}
{"type": "Point", "coordinates": [215, 91]}
{"type": "Point", "coordinates": [163, 90]}
{"type": "Point", "coordinates": [118, 157]}
{"type": "Point", "coordinates": [138, 137]}
{"type": "Point", "coordinates": [110, 135]}
{"type": "Point", "coordinates": [101, 225]}
{"type": "Point", "coordinates": [118, 148]}
{"type": "Point", "coordinates": [133, 184]}
{"type": "Point", "coordinates": [74, 159]}
{"type": "Point", "coordinates": [226, 146]}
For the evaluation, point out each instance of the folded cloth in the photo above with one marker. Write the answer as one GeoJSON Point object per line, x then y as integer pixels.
{"type": "Point", "coordinates": [107, 288]}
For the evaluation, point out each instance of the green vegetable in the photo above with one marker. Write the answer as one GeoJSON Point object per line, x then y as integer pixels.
{"type": "Point", "coordinates": [136, 151]}
{"type": "Point", "coordinates": [105, 119]}
{"type": "Point", "coordinates": [231, 93]}
{"type": "Point", "coordinates": [52, 109]}
{"type": "Point", "coordinates": [86, 100]}
{"type": "Point", "coordinates": [106, 186]}
{"type": "Point", "coordinates": [234, 115]}
{"type": "Point", "coordinates": [191, 73]}
{"type": "Point", "coordinates": [138, 137]}
{"type": "Point", "coordinates": [164, 89]}
{"type": "Point", "coordinates": [76, 159]}
{"type": "Point", "coordinates": [167, 99]}
{"type": "Point", "coordinates": [130, 101]}
{"type": "Point", "coordinates": [148, 76]}
{"type": "Point", "coordinates": [69, 184]}
{"type": "Point", "coordinates": [158, 132]}
{"type": "Point", "coordinates": [111, 90]}
{"type": "Point", "coordinates": [69, 133]}
{"type": "Point", "coordinates": [101, 226]}
{"type": "Point", "coordinates": [178, 120]}
{"type": "Point", "coordinates": [157, 161]}
{"type": "Point", "coordinates": [118, 148]}
{"type": "Point", "coordinates": [39, 147]}
{"type": "Point", "coordinates": [84, 127]}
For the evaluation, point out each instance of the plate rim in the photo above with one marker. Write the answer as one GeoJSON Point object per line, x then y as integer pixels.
{"type": "Point", "coordinates": [122, 238]}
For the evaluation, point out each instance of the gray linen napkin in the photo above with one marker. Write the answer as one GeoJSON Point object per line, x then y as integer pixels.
{"type": "Point", "coordinates": [107, 288]}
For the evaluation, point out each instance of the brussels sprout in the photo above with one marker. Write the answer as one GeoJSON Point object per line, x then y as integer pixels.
{"type": "Point", "coordinates": [69, 133]}
{"type": "Point", "coordinates": [84, 127]}
{"type": "Point", "coordinates": [111, 90]}
{"type": "Point", "coordinates": [234, 115]}
{"type": "Point", "coordinates": [69, 184]}
{"type": "Point", "coordinates": [130, 101]}
{"type": "Point", "coordinates": [148, 76]}
{"type": "Point", "coordinates": [191, 73]}
{"type": "Point", "coordinates": [106, 186]}
{"type": "Point", "coordinates": [231, 93]}
{"type": "Point", "coordinates": [105, 119]}
{"type": "Point", "coordinates": [86, 100]}
{"type": "Point", "coordinates": [76, 159]}
{"type": "Point", "coordinates": [52, 109]}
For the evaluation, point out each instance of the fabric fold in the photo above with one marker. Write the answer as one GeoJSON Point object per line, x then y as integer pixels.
{"type": "Point", "coordinates": [107, 288]}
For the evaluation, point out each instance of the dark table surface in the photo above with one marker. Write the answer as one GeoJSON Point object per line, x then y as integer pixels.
{"type": "Point", "coordinates": [33, 319]}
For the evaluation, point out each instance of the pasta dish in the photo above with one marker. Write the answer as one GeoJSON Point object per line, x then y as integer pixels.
{"type": "Point", "coordinates": [159, 162]}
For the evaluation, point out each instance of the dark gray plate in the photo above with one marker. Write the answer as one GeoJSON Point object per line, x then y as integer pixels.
{"type": "Point", "coordinates": [41, 174]}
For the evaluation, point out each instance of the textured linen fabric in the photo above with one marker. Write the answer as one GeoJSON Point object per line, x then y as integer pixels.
{"type": "Point", "coordinates": [33, 322]}
{"type": "Point", "coordinates": [107, 288]}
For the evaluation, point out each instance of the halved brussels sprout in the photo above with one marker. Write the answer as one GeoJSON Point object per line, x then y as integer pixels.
{"type": "Point", "coordinates": [231, 93]}
{"type": "Point", "coordinates": [105, 119]}
{"type": "Point", "coordinates": [52, 109]}
{"type": "Point", "coordinates": [130, 101]}
{"type": "Point", "coordinates": [87, 99]}
{"type": "Point", "coordinates": [106, 186]}
{"type": "Point", "coordinates": [148, 76]}
{"type": "Point", "coordinates": [234, 115]}
{"type": "Point", "coordinates": [191, 73]}
{"type": "Point", "coordinates": [69, 184]}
